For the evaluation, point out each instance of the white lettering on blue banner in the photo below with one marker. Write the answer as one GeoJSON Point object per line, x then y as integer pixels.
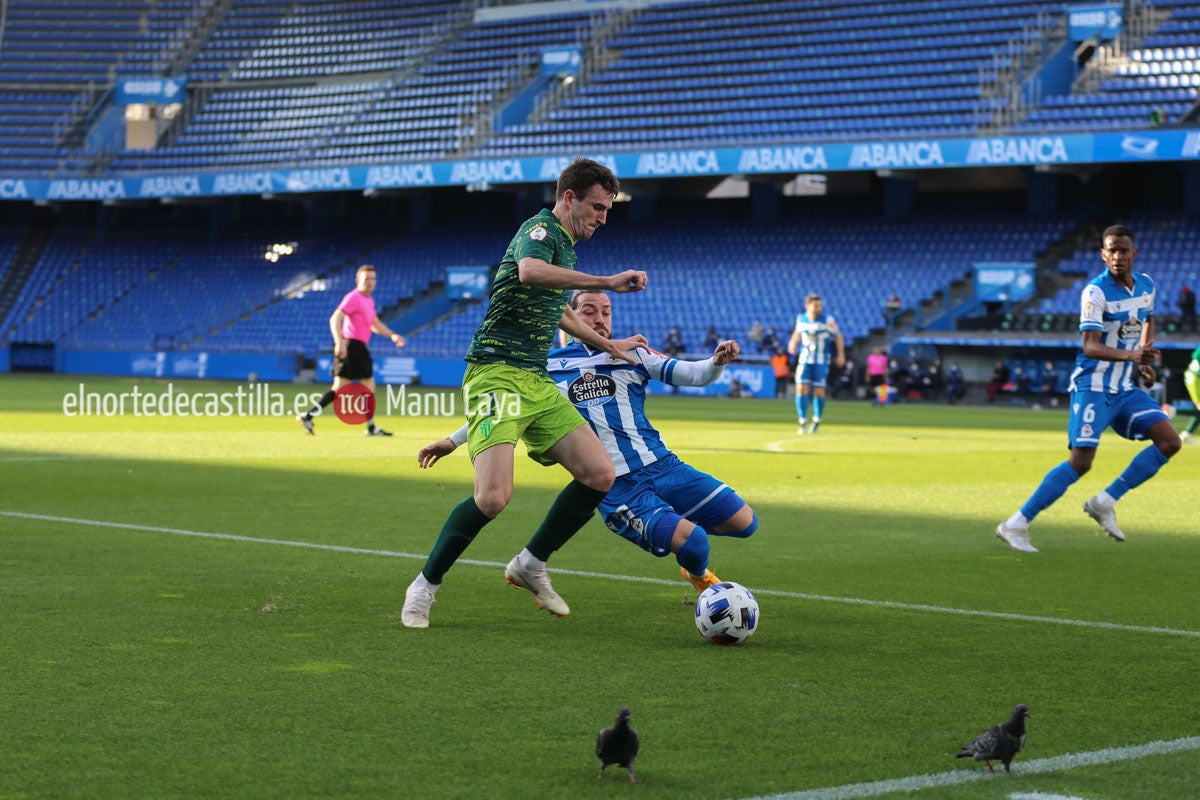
{"type": "Point", "coordinates": [678, 162]}
{"type": "Point", "coordinates": [306, 180]}
{"type": "Point", "coordinates": [1191, 145]}
{"type": "Point", "coordinates": [486, 171]}
{"type": "Point", "coordinates": [401, 175]}
{"type": "Point", "coordinates": [11, 189]}
{"type": "Point", "coordinates": [170, 186]}
{"type": "Point", "coordinates": [782, 159]}
{"type": "Point", "coordinates": [1034, 150]}
{"type": "Point", "coordinates": [890, 155]}
{"type": "Point", "coordinates": [110, 189]}
{"type": "Point", "coordinates": [242, 183]}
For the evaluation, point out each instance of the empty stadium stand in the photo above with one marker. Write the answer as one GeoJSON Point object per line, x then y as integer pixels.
{"type": "Point", "coordinates": [282, 84]}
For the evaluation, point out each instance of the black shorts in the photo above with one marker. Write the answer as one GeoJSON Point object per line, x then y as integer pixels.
{"type": "Point", "coordinates": [357, 364]}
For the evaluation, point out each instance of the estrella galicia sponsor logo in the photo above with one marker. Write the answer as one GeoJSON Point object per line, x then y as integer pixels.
{"type": "Point", "coordinates": [591, 389]}
{"type": "Point", "coordinates": [495, 171]}
{"type": "Point", "coordinates": [782, 159]}
{"type": "Point", "coordinates": [678, 162]}
{"type": "Point", "coordinates": [306, 180]}
{"type": "Point", "coordinates": [13, 189]}
{"type": "Point", "coordinates": [1139, 146]}
{"type": "Point", "coordinates": [1130, 329]}
{"type": "Point", "coordinates": [554, 165]}
{"type": "Point", "coordinates": [400, 175]}
{"type": "Point", "coordinates": [1026, 150]}
{"type": "Point", "coordinates": [170, 186]}
{"type": "Point", "coordinates": [243, 183]}
{"type": "Point", "coordinates": [86, 189]}
{"type": "Point", "coordinates": [890, 155]}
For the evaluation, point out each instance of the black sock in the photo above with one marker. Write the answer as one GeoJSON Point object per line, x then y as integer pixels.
{"type": "Point", "coordinates": [571, 510]}
{"type": "Point", "coordinates": [325, 400]}
{"type": "Point", "coordinates": [460, 529]}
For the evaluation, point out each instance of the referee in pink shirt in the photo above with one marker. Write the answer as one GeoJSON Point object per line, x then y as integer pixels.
{"type": "Point", "coordinates": [351, 325]}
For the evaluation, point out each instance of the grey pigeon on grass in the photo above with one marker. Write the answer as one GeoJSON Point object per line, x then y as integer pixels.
{"type": "Point", "coordinates": [618, 744]}
{"type": "Point", "coordinates": [1000, 742]}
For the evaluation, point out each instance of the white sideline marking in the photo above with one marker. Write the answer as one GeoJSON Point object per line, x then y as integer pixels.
{"type": "Point", "coordinates": [915, 783]}
{"type": "Point", "coordinates": [1082, 623]}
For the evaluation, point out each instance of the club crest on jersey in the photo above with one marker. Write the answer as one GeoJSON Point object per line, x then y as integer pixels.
{"type": "Point", "coordinates": [538, 233]}
{"type": "Point", "coordinates": [591, 389]}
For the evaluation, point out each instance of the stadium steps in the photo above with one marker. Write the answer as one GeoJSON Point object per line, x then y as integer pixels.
{"type": "Point", "coordinates": [198, 35]}
{"type": "Point", "coordinates": [596, 57]}
{"type": "Point", "coordinates": [23, 264]}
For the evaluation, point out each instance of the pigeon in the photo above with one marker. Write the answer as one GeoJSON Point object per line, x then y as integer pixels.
{"type": "Point", "coordinates": [1000, 742]}
{"type": "Point", "coordinates": [618, 745]}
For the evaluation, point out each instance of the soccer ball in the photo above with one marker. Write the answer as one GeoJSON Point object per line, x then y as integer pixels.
{"type": "Point", "coordinates": [726, 613]}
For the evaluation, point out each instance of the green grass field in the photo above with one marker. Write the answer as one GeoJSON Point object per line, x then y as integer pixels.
{"type": "Point", "coordinates": [209, 607]}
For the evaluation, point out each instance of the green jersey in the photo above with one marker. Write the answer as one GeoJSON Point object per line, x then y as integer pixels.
{"type": "Point", "coordinates": [521, 321]}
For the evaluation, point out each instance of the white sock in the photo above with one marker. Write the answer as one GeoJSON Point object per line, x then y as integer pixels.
{"type": "Point", "coordinates": [421, 582]}
{"type": "Point", "coordinates": [527, 562]}
{"type": "Point", "coordinates": [1017, 520]}
{"type": "Point", "coordinates": [1105, 499]}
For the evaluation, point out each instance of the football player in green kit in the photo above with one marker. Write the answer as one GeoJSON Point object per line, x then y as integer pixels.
{"type": "Point", "coordinates": [508, 395]}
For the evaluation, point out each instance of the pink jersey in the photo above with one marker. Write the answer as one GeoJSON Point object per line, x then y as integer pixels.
{"type": "Point", "coordinates": [360, 314]}
{"type": "Point", "coordinates": [877, 364]}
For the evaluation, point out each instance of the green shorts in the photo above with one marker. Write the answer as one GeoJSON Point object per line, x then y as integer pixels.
{"type": "Point", "coordinates": [504, 403]}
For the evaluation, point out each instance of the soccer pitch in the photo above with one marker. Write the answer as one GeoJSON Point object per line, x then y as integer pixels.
{"type": "Point", "coordinates": [208, 607]}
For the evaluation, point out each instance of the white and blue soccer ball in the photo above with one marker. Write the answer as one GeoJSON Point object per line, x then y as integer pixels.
{"type": "Point", "coordinates": [726, 613]}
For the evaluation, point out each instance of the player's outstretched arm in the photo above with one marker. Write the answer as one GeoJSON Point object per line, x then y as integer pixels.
{"type": "Point", "coordinates": [537, 272]}
{"type": "Point", "coordinates": [631, 280]}
{"type": "Point", "coordinates": [702, 373]}
{"type": "Point", "coordinates": [726, 351]}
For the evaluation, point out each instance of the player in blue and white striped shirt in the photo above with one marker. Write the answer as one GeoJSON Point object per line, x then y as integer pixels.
{"type": "Point", "coordinates": [814, 332]}
{"type": "Point", "coordinates": [1116, 321]}
{"type": "Point", "coordinates": [657, 502]}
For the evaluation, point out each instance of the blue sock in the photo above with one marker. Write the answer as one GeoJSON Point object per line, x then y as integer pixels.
{"type": "Point", "coordinates": [1143, 467]}
{"type": "Point", "coordinates": [1053, 486]}
{"type": "Point", "coordinates": [693, 556]}
{"type": "Point", "coordinates": [818, 407]}
{"type": "Point", "coordinates": [802, 407]}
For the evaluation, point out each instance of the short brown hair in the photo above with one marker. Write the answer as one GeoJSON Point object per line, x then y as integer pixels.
{"type": "Point", "coordinates": [364, 268]}
{"type": "Point", "coordinates": [584, 173]}
{"type": "Point", "coordinates": [578, 293]}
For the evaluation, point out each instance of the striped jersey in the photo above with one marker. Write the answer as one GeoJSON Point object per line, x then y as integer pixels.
{"type": "Point", "coordinates": [816, 336]}
{"type": "Point", "coordinates": [1120, 314]}
{"type": "Point", "coordinates": [522, 320]}
{"type": "Point", "coordinates": [611, 395]}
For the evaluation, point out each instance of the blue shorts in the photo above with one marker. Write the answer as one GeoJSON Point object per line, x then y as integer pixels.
{"type": "Point", "coordinates": [1129, 414]}
{"type": "Point", "coordinates": [663, 491]}
{"type": "Point", "coordinates": [815, 375]}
